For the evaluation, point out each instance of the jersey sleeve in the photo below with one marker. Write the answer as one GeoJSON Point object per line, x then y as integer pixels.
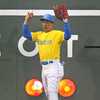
{"type": "Point", "coordinates": [60, 36]}
{"type": "Point", "coordinates": [35, 36]}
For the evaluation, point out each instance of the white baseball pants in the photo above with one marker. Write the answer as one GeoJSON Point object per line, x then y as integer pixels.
{"type": "Point", "coordinates": [51, 74]}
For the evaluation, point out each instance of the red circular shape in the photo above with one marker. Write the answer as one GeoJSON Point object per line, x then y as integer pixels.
{"type": "Point", "coordinates": [31, 88]}
{"type": "Point", "coordinates": [66, 87]}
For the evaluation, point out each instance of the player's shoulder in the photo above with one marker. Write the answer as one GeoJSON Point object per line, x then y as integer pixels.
{"type": "Point", "coordinates": [37, 32]}
{"type": "Point", "coordinates": [58, 32]}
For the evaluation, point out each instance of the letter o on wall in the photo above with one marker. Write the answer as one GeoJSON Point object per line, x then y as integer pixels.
{"type": "Point", "coordinates": [23, 51]}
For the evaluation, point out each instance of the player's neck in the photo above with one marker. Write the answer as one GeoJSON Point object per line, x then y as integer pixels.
{"type": "Point", "coordinates": [48, 30]}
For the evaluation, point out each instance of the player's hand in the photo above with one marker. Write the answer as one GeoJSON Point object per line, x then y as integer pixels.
{"type": "Point", "coordinates": [28, 17]}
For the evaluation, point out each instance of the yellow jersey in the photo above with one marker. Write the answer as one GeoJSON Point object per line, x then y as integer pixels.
{"type": "Point", "coordinates": [48, 44]}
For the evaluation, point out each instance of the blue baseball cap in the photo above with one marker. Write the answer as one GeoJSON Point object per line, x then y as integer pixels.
{"type": "Point", "coordinates": [48, 17]}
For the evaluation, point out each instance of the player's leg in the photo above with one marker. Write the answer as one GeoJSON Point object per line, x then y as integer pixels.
{"type": "Point", "coordinates": [60, 71]}
{"type": "Point", "coordinates": [53, 78]}
{"type": "Point", "coordinates": [52, 82]}
{"type": "Point", "coordinates": [44, 81]}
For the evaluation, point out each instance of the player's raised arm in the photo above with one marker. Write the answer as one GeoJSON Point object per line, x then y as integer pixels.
{"type": "Point", "coordinates": [25, 29]}
{"type": "Point", "coordinates": [67, 29]}
{"type": "Point", "coordinates": [61, 13]}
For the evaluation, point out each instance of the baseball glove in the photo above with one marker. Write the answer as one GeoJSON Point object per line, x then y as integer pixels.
{"type": "Point", "coordinates": [61, 12]}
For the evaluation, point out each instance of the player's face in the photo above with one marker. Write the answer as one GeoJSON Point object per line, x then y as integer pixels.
{"type": "Point", "coordinates": [47, 26]}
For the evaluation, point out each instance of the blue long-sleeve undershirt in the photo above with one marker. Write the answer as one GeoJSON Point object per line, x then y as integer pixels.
{"type": "Point", "coordinates": [67, 31]}
{"type": "Point", "coordinates": [26, 32]}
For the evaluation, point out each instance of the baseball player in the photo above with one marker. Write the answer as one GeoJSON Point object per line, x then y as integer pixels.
{"type": "Point", "coordinates": [49, 41]}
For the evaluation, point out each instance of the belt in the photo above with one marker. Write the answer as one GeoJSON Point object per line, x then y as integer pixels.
{"type": "Point", "coordinates": [46, 62]}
